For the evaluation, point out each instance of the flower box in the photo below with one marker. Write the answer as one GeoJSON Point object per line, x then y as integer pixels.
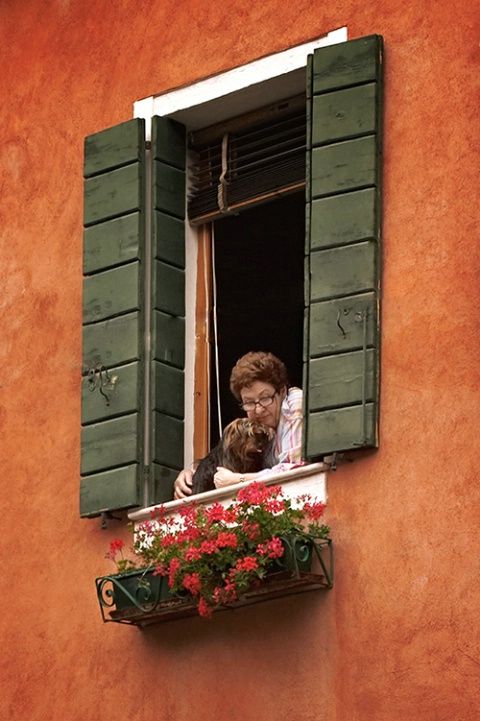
{"type": "Point", "coordinates": [209, 558]}
{"type": "Point", "coordinates": [139, 589]}
{"type": "Point", "coordinates": [140, 598]}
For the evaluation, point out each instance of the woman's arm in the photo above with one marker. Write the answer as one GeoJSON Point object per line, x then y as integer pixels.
{"type": "Point", "coordinates": [290, 428]}
{"type": "Point", "coordinates": [223, 477]}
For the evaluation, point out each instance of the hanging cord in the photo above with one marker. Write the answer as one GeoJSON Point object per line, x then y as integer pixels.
{"type": "Point", "coordinates": [215, 333]}
{"type": "Point", "coordinates": [206, 256]}
{"type": "Point", "coordinates": [222, 181]}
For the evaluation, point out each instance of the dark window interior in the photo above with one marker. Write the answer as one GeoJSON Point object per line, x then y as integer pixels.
{"type": "Point", "coordinates": [259, 269]}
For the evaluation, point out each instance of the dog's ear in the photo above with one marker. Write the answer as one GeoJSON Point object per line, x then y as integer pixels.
{"type": "Point", "coordinates": [233, 432]}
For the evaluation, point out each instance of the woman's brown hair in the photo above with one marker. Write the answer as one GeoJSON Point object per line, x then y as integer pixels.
{"type": "Point", "coordinates": [257, 366]}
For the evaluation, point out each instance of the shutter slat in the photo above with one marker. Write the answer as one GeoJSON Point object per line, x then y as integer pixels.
{"type": "Point", "coordinates": [169, 339]}
{"type": "Point", "coordinates": [342, 428]}
{"type": "Point", "coordinates": [111, 342]}
{"type": "Point", "coordinates": [101, 492]}
{"type": "Point", "coordinates": [169, 390]}
{"type": "Point", "coordinates": [337, 325]}
{"type": "Point", "coordinates": [112, 148]}
{"type": "Point", "coordinates": [111, 243]}
{"type": "Point", "coordinates": [342, 271]}
{"type": "Point", "coordinates": [342, 219]}
{"type": "Point", "coordinates": [344, 113]}
{"type": "Point", "coordinates": [113, 194]}
{"type": "Point", "coordinates": [169, 189]}
{"type": "Point", "coordinates": [351, 63]}
{"type": "Point", "coordinates": [341, 351]}
{"type": "Point", "coordinates": [110, 293]}
{"type": "Point", "coordinates": [108, 444]}
{"type": "Point", "coordinates": [338, 380]}
{"type": "Point", "coordinates": [168, 440]}
{"type": "Point", "coordinates": [169, 238]}
{"type": "Point", "coordinates": [343, 166]}
{"type": "Point", "coordinates": [161, 482]}
{"type": "Point", "coordinates": [170, 283]}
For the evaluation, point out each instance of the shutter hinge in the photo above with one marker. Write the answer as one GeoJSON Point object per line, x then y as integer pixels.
{"type": "Point", "coordinates": [334, 459]}
{"type": "Point", "coordinates": [108, 516]}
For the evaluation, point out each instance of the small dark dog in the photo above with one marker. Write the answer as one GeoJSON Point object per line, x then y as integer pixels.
{"type": "Point", "coordinates": [246, 446]}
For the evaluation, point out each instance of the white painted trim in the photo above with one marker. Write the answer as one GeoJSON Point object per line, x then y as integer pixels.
{"type": "Point", "coordinates": [311, 479]}
{"type": "Point", "coordinates": [233, 80]}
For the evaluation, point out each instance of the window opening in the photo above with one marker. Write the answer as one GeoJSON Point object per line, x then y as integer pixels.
{"type": "Point", "coordinates": [259, 269]}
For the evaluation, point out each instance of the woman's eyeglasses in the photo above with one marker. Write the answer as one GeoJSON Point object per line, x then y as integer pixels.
{"type": "Point", "coordinates": [263, 402]}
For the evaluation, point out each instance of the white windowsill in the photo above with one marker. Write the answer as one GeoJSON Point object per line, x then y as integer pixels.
{"type": "Point", "coordinates": [311, 479]}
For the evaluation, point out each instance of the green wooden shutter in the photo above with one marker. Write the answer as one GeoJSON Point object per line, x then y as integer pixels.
{"type": "Point", "coordinates": [113, 320]}
{"type": "Point", "coordinates": [341, 360]}
{"type": "Point", "coordinates": [168, 304]}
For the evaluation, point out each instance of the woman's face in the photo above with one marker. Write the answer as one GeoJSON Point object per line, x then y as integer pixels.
{"type": "Point", "coordinates": [269, 416]}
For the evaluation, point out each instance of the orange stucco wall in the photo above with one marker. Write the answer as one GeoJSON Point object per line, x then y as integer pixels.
{"type": "Point", "coordinates": [397, 638]}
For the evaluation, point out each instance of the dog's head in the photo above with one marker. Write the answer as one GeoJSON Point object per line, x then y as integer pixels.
{"type": "Point", "coordinates": [247, 438]}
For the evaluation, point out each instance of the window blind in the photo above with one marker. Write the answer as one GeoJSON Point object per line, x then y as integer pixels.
{"type": "Point", "coordinates": [247, 165]}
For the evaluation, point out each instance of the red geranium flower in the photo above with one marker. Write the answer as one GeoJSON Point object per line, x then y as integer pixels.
{"type": "Point", "coordinates": [172, 571]}
{"type": "Point", "coordinates": [192, 582]}
{"type": "Point", "coordinates": [208, 547]}
{"type": "Point", "coordinates": [249, 563]}
{"type": "Point", "coordinates": [272, 549]}
{"type": "Point", "coordinates": [193, 553]}
{"type": "Point", "coordinates": [314, 510]}
{"type": "Point", "coordinates": [116, 545]}
{"type": "Point", "coordinates": [216, 512]}
{"type": "Point", "coordinates": [227, 540]}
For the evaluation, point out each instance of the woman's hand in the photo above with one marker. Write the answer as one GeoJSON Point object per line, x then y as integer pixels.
{"type": "Point", "coordinates": [183, 484]}
{"type": "Point", "coordinates": [223, 477]}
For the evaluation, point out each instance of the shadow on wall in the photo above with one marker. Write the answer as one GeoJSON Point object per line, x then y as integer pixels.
{"type": "Point", "coordinates": [271, 624]}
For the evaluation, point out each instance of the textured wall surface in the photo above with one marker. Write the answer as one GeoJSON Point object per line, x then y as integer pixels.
{"type": "Point", "coordinates": [397, 638]}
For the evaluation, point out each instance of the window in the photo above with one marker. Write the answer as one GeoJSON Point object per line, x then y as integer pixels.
{"type": "Point", "coordinates": [134, 300]}
{"type": "Point", "coordinates": [248, 189]}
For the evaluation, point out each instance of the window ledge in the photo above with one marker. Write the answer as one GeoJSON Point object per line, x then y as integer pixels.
{"type": "Point", "coordinates": [310, 479]}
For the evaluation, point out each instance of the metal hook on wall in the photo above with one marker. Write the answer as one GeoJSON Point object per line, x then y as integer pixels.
{"type": "Point", "coordinates": [107, 516]}
{"type": "Point", "coordinates": [339, 315]}
{"type": "Point", "coordinates": [99, 377]}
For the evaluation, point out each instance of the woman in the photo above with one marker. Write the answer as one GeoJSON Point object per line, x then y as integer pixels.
{"type": "Point", "coordinates": [259, 382]}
